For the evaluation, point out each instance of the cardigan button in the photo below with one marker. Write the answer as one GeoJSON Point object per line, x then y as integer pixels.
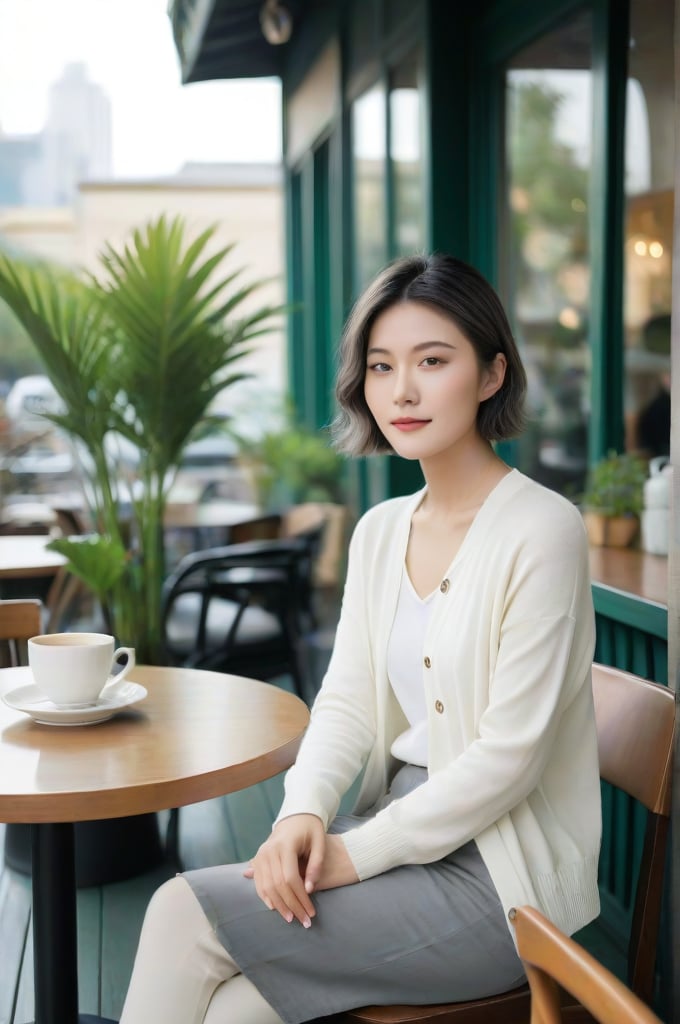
{"type": "Point", "coordinates": [439, 707]}
{"type": "Point", "coordinates": [426, 661]}
{"type": "Point", "coordinates": [444, 586]}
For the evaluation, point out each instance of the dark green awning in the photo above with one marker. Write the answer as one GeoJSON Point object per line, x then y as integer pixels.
{"type": "Point", "coordinates": [223, 39]}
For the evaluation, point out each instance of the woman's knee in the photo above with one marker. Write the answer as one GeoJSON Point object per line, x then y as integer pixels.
{"type": "Point", "coordinates": [174, 906]}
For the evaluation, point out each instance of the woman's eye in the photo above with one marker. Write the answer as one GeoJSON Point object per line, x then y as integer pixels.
{"type": "Point", "coordinates": [431, 361]}
{"type": "Point", "coordinates": [379, 367]}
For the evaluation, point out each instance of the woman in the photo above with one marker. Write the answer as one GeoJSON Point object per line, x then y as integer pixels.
{"type": "Point", "coordinates": [459, 683]}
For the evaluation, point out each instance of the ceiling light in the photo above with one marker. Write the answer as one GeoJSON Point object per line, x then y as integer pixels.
{"type": "Point", "coordinates": [276, 22]}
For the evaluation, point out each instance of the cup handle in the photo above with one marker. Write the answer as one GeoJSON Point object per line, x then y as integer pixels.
{"type": "Point", "coordinates": [118, 677]}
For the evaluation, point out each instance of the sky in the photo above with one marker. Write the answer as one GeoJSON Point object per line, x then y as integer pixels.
{"type": "Point", "coordinates": [128, 49]}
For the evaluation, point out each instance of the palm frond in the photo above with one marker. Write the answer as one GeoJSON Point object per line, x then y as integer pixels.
{"type": "Point", "coordinates": [137, 351]}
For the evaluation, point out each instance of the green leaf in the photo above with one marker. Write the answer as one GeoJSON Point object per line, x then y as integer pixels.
{"type": "Point", "coordinates": [97, 560]}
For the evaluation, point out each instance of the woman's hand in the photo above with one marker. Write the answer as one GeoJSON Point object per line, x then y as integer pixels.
{"type": "Point", "coordinates": [287, 866]}
{"type": "Point", "coordinates": [337, 868]}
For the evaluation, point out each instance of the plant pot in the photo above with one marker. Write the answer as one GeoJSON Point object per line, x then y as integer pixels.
{"type": "Point", "coordinates": [610, 531]}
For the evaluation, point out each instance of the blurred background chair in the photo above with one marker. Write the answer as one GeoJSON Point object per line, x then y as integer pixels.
{"type": "Point", "coordinates": [551, 958]}
{"type": "Point", "coordinates": [19, 621]}
{"type": "Point", "coordinates": [244, 608]}
{"type": "Point", "coordinates": [635, 725]}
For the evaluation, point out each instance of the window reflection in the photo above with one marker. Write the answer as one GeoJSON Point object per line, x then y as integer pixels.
{"type": "Point", "coordinates": [546, 272]}
{"type": "Point", "coordinates": [406, 159]}
{"type": "Point", "coordinates": [650, 145]}
{"type": "Point", "coordinates": [369, 159]}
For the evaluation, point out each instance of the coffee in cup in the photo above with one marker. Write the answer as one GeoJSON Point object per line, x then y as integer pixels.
{"type": "Point", "coordinates": [72, 669]}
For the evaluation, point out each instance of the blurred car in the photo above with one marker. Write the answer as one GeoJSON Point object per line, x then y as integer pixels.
{"type": "Point", "coordinates": [39, 469]}
{"type": "Point", "coordinates": [28, 400]}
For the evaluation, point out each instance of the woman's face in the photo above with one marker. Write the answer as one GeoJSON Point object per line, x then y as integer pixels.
{"type": "Point", "coordinates": [423, 382]}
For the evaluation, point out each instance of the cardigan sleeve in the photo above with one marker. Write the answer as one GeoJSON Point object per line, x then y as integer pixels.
{"type": "Point", "coordinates": [544, 658]}
{"type": "Point", "coordinates": [342, 727]}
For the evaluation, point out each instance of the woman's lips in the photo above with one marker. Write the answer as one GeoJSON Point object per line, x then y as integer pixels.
{"type": "Point", "coordinates": [407, 424]}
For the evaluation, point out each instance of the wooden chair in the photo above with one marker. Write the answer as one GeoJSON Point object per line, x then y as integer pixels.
{"type": "Point", "coordinates": [635, 723]}
{"type": "Point", "coordinates": [550, 958]}
{"type": "Point", "coordinates": [19, 621]}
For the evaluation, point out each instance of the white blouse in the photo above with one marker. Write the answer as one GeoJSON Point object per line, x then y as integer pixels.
{"type": "Point", "coordinates": [405, 670]}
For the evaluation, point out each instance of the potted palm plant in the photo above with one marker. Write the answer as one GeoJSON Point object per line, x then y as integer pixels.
{"type": "Point", "coordinates": [137, 353]}
{"type": "Point", "coordinates": [612, 501]}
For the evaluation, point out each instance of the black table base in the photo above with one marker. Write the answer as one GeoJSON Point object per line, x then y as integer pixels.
{"type": "Point", "coordinates": [106, 851]}
{"type": "Point", "coordinates": [55, 944]}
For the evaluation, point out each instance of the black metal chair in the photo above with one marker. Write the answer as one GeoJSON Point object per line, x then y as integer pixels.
{"type": "Point", "coordinates": [244, 608]}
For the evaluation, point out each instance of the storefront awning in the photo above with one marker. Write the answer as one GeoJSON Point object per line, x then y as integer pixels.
{"type": "Point", "coordinates": [224, 39]}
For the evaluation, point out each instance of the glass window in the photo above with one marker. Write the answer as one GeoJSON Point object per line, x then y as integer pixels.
{"type": "Point", "coordinates": [406, 159]}
{"type": "Point", "coordinates": [369, 146]}
{"type": "Point", "coordinates": [545, 263]}
{"type": "Point", "coordinates": [650, 147]}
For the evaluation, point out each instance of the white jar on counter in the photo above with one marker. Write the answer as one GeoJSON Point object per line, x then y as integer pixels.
{"type": "Point", "coordinates": [656, 510]}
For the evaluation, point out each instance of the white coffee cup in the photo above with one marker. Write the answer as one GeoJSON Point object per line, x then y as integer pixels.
{"type": "Point", "coordinates": [72, 669]}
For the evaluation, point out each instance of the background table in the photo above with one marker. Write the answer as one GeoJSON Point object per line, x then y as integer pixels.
{"type": "Point", "coordinates": [25, 556]}
{"type": "Point", "coordinates": [196, 736]}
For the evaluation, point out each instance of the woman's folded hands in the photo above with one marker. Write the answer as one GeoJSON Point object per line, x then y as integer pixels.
{"type": "Point", "coordinates": [297, 859]}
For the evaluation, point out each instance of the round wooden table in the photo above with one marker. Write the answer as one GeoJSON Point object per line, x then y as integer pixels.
{"type": "Point", "coordinates": [25, 556]}
{"type": "Point", "coordinates": [197, 735]}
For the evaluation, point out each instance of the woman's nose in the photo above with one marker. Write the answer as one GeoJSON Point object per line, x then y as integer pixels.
{"type": "Point", "coordinates": [404, 389]}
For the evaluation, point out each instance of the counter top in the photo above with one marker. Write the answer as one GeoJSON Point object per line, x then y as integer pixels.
{"type": "Point", "coordinates": [631, 572]}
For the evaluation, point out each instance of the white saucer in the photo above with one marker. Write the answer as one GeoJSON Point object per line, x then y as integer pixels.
{"type": "Point", "coordinates": [114, 698]}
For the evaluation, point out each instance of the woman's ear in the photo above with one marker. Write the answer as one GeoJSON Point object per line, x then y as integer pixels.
{"type": "Point", "coordinates": [493, 376]}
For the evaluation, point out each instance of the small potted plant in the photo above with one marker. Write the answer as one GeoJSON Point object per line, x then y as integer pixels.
{"type": "Point", "coordinates": [613, 499]}
{"type": "Point", "coordinates": [293, 464]}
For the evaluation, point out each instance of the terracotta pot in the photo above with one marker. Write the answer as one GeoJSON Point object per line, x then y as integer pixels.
{"type": "Point", "coordinates": [610, 531]}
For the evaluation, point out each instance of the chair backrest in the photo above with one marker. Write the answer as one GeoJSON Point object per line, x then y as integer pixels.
{"type": "Point", "coordinates": [635, 728]}
{"type": "Point", "coordinates": [551, 958]}
{"type": "Point", "coordinates": [19, 621]}
{"type": "Point", "coordinates": [206, 573]}
{"type": "Point", "coordinates": [265, 527]}
{"type": "Point", "coordinates": [328, 564]}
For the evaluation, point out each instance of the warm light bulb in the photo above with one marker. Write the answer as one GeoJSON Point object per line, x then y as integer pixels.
{"type": "Point", "coordinates": [656, 250]}
{"type": "Point", "coordinates": [640, 248]}
{"type": "Point", "coordinates": [569, 318]}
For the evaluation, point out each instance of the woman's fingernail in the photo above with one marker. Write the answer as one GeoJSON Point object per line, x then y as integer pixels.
{"type": "Point", "coordinates": [307, 923]}
{"type": "Point", "coordinates": [289, 918]}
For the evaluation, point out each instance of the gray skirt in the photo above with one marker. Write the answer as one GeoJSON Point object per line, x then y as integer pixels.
{"type": "Point", "coordinates": [421, 933]}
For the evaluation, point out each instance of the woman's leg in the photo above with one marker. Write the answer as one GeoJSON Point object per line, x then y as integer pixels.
{"type": "Point", "coordinates": [237, 1001]}
{"type": "Point", "coordinates": [179, 963]}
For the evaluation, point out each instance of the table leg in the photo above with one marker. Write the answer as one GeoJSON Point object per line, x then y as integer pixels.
{"type": "Point", "coordinates": [55, 950]}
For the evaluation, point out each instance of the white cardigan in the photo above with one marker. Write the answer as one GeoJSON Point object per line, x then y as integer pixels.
{"type": "Point", "coordinates": [513, 760]}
